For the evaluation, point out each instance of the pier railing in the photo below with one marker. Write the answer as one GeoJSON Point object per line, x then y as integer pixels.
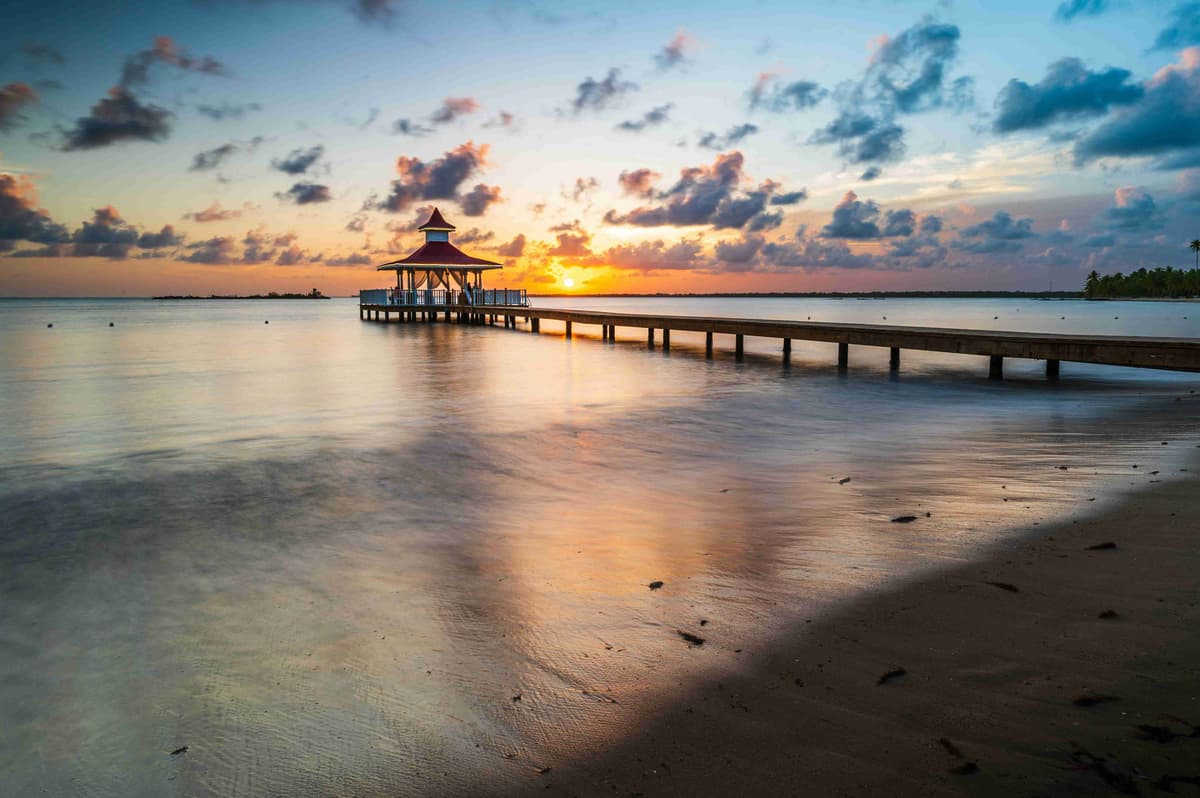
{"type": "Point", "coordinates": [395, 297]}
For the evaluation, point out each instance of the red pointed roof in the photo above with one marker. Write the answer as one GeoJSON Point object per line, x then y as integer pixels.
{"type": "Point", "coordinates": [441, 253]}
{"type": "Point", "coordinates": [436, 222]}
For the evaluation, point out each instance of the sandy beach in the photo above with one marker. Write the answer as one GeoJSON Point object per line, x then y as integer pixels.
{"type": "Point", "coordinates": [1061, 665]}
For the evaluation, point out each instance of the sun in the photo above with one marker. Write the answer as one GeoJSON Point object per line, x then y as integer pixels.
{"type": "Point", "coordinates": [568, 282]}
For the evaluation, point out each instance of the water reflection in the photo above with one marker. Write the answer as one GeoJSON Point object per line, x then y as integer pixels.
{"type": "Point", "coordinates": [327, 557]}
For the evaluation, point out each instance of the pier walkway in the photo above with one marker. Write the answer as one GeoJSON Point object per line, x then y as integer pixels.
{"type": "Point", "coordinates": [1177, 354]}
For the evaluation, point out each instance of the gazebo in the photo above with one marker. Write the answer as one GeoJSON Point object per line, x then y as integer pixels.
{"type": "Point", "coordinates": [440, 275]}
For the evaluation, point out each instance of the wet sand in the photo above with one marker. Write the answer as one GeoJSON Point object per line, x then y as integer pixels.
{"type": "Point", "coordinates": [1010, 676]}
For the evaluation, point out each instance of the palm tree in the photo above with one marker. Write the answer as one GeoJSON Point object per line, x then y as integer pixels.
{"type": "Point", "coordinates": [1195, 247]}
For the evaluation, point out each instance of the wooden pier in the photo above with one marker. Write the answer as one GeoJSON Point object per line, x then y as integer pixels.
{"type": "Point", "coordinates": [1175, 354]}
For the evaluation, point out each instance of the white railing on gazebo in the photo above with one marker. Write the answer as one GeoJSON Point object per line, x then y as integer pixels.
{"type": "Point", "coordinates": [396, 297]}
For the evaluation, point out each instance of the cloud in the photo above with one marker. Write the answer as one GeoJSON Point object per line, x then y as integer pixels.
{"type": "Point", "coordinates": [304, 193]}
{"type": "Point", "coordinates": [597, 95]}
{"type": "Point", "coordinates": [41, 53]}
{"type": "Point", "coordinates": [452, 108]}
{"type": "Point", "coordinates": [1069, 91]}
{"type": "Point", "coordinates": [1133, 210]}
{"type": "Point", "coordinates": [672, 54]}
{"type": "Point", "coordinates": [907, 74]}
{"type": "Point", "coordinates": [853, 218]}
{"type": "Point", "coordinates": [107, 235]}
{"type": "Point", "coordinates": [213, 213]}
{"type": "Point", "coordinates": [709, 195]}
{"type": "Point", "coordinates": [374, 12]}
{"type": "Point", "coordinates": [870, 174]}
{"type": "Point", "coordinates": [739, 251]}
{"type": "Point", "coordinates": [1001, 233]}
{"type": "Point", "coordinates": [137, 66]}
{"type": "Point", "coordinates": [582, 188]}
{"type": "Point", "coordinates": [652, 118]}
{"type": "Point", "coordinates": [166, 237]}
{"type": "Point", "coordinates": [503, 119]}
{"type": "Point", "coordinates": [407, 127]}
{"type": "Point", "coordinates": [20, 220]}
{"type": "Point", "coordinates": [716, 141]}
{"type": "Point", "coordinates": [431, 180]}
{"type": "Point", "coordinates": [770, 94]}
{"type": "Point", "coordinates": [1080, 8]}
{"type": "Point", "coordinates": [1167, 118]}
{"type": "Point", "coordinates": [638, 183]}
{"type": "Point", "coordinates": [1183, 30]}
{"type": "Point", "coordinates": [215, 251]}
{"type": "Point", "coordinates": [573, 241]}
{"type": "Point", "coordinates": [116, 118]}
{"type": "Point", "coordinates": [514, 248]}
{"type": "Point", "coordinates": [227, 110]}
{"type": "Point", "coordinates": [211, 159]}
{"type": "Point", "coordinates": [13, 99]}
{"type": "Point", "coordinates": [476, 201]}
{"type": "Point", "coordinates": [353, 259]}
{"type": "Point", "coordinates": [790, 198]}
{"type": "Point", "coordinates": [654, 256]}
{"type": "Point", "coordinates": [299, 160]}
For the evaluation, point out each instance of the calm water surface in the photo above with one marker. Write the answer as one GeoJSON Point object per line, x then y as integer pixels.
{"type": "Point", "coordinates": [327, 555]}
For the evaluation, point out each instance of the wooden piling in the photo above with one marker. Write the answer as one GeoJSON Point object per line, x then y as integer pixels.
{"type": "Point", "coordinates": [843, 355]}
{"type": "Point", "coordinates": [739, 347]}
{"type": "Point", "coordinates": [996, 367]}
{"type": "Point", "coordinates": [666, 339]}
{"type": "Point", "coordinates": [708, 345]}
{"type": "Point", "coordinates": [787, 350]}
{"type": "Point", "coordinates": [649, 337]}
{"type": "Point", "coordinates": [568, 329]}
{"type": "Point", "coordinates": [1052, 369]}
{"type": "Point", "coordinates": [894, 359]}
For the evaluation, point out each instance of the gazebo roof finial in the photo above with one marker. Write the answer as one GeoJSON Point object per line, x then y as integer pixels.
{"type": "Point", "coordinates": [436, 222]}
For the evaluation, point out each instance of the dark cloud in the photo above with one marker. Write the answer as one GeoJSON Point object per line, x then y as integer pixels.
{"type": "Point", "coordinates": [116, 118]}
{"type": "Point", "coordinates": [771, 94]}
{"type": "Point", "coordinates": [597, 95]}
{"type": "Point", "coordinates": [211, 159]}
{"type": "Point", "coordinates": [431, 180]}
{"type": "Point", "coordinates": [870, 174]}
{"type": "Point", "coordinates": [20, 220]}
{"type": "Point", "coordinates": [107, 235]}
{"type": "Point", "coordinates": [452, 108]}
{"type": "Point", "coordinates": [474, 236]}
{"type": "Point", "coordinates": [14, 98]}
{"type": "Point", "coordinates": [41, 53]}
{"type": "Point", "coordinates": [407, 127]}
{"type": "Point", "coordinates": [227, 110]}
{"type": "Point", "coordinates": [672, 54]}
{"type": "Point", "coordinates": [476, 201]}
{"type": "Point", "coordinates": [503, 119]}
{"type": "Point", "coordinates": [215, 251]}
{"type": "Point", "coordinates": [1133, 210]}
{"type": "Point", "coordinates": [137, 66]}
{"type": "Point", "coordinates": [298, 161]}
{"type": "Point", "coordinates": [709, 195]}
{"type": "Point", "coordinates": [790, 198]}
{"type": "Point", "coordinates": [357, 223]}
{"type": "Point", "coordinates": [353, 259]}
{"type": "Point", "coordinates": [374, 12]}
{"type": "Point", "coordinates": [717, 141]}
{"type": "Point", "coordinates": [740, 251]}
{"type": "Point", "coordinates": [1165, 121]}
{"type": "Point", "coordinates": [304, 193]}
{"type": "Point", "coordinates": [652, 118]}
{"type": "Point", "coordinates": [1069, 91]}
{"type": "Point", "coordinates": [213, 213]}
{"type": "Point", "coordinates": [863, 219]}
{"type": "Point", "coordinates": [166, 237]}
{"type": "Point", "coordinates": [907, 74]}
{"type": "Point", "coordinates": [1001, 233]}
{"type": "Point", "coordinates": [1183, 30]}
{"type": "Point", "coordinates": [1080, 8]}
{"type": "Point", "coordinates": [764, 221]}
{"type": "Point", "coordinates": [514, 248]}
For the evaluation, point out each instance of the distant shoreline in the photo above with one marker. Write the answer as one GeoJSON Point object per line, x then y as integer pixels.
{"type": "Point", "coordinates": [844, 295]}
{"type": "Point", "coordinates": [252, 296]}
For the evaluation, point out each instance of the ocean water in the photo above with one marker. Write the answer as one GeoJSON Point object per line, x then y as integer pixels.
{"type": "Point", "coordinates": [336, 557]}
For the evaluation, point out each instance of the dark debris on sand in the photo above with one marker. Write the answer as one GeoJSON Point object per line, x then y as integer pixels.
{"type": "Point", "coordinates": [691, 638]}
{"type": "Point", "coordinates": [1011, 588]}
{"type": "Point", "coordinates": [1092, 699]}
{"type": "Point", "coordinates": [183, 749]}
{"type": "Point", "coordinates": [1107, 545]}
{"type": "Point", "coordinates": [895, 673]}
{"type": "Point", "coordinates": [655, 585]}
{"type": "Point", "coordinates": [904, 519]}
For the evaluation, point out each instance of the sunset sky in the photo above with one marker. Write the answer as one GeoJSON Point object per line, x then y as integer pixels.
{"type": "Point", "coordinates": [225, 146]}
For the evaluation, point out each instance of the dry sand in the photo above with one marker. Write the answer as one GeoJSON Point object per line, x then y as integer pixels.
{"type": "Point", "coordinates": [989, 700]}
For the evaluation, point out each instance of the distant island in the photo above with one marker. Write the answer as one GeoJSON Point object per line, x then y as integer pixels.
{"type": "Point", "coordinates": [314, 294]}
{"type": "Point", "coordinates": [1163, 283]}
{"type": "Point", "coordinates": [850, 295]}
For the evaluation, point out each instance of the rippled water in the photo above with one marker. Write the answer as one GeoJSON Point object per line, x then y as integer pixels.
{"type": "Point", "coordinates": [327, 555]}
